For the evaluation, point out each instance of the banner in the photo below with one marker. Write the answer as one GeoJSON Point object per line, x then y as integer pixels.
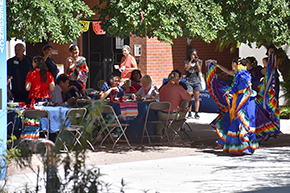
{"type": "Point", "coordinates": [97, 28]}
{"type": "Point", "coordinates": [86, 25]}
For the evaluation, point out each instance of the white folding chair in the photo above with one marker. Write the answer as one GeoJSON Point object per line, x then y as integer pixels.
{"type": "Point", "coordinates": [176, 124]}
{"type": "Point", "coordinates": [156, 106]}
{"type": "Point", "coordinates": [76, 118]}
{"type": "Point", "coordinates": [110, 121]}
{"type": "Point", "coordinates": [37, 114]}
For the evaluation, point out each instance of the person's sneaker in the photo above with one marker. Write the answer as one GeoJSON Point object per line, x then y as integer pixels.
{"type": "Point", "coordinates": [196, 116]}
{"type": "Point", "coordinates": [189, 115]}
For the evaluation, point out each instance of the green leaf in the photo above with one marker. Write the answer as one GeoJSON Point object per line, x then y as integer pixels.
{"type": "Point", "coordinates": [38, 20]}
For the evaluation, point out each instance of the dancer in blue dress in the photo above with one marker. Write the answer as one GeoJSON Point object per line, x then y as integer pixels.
{"type": "Point", "coordinates": [241, 115]}
{"type": "Point", "coordinates": [237, 127]}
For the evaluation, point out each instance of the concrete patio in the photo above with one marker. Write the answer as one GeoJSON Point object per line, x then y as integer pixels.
{"type": "Point", "coordinates": [200, 168]}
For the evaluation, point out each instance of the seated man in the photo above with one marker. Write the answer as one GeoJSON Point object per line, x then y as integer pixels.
{"type": "Point", "coordinates": [58, 95]}
{"type": "Point", "coordinates": [112, 88]}
{"type": "Point", "coordinates": [180, 83]}
{"type": "Point", "coordinates": [173, 93]}
{"type": "Point", "coordinates": [75, 89]}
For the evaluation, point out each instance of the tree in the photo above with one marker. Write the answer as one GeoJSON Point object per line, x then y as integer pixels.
{"type": "Point", "coordinates": [260, 21]}
{"type": "Point", "coordinates": [226, 21]}
{"type": "Point", "coordinates": [38, 20]}
{"type": "Point", "coordinates": [241, 21]}
{"type": "Point", "coordinates": [265, 22]}
{"type": "Point", "coordinates": [199, 19]}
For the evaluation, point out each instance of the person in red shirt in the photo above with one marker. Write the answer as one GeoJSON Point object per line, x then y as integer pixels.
{"type": "Point", "coordinates": [39, 82]}
{"type": "Point", "coordinates": [173, 93]}
{"type": "Point", "coordinates": [128, 63]}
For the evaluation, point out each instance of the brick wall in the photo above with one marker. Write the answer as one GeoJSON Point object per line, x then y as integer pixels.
{"type": "Point", "coordinates": [60, 58]}
{"type": "Point", "coordinates": [159, 58]}
{"type": "Point", "coordinates": [143, 58]}
{"type": "Point", "coordinates": [205, 51]}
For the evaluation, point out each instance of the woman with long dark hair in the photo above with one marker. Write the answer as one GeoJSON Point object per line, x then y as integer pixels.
{"type": "Point", "coordinates": [136, 79]}
{"type": "Point", "coordinates": [39, 82]}
{"type": "Point", "coordinates": [192, 67]}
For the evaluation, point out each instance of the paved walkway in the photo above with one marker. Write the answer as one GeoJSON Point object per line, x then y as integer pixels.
{"type": "Point", "coordinates": [197, 170]}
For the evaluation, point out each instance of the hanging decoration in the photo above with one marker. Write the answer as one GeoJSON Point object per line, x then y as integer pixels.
{"type": "Point", "coordinates": [97, 28]}
{"type": "Point", "coordinates": [86, 25]}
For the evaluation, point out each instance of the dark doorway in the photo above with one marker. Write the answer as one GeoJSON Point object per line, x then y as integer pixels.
{"type": "Point", "coordinates": [101, 54]}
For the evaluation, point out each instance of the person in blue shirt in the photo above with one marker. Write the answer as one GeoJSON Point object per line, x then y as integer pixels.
{"type": "Point", "coordinates": [112, 87]}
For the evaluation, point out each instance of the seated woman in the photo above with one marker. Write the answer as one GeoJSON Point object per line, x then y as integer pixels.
{"type": "Point", "coordinates": [39, 82]}
{"type": "Point", "coordinates": [148, 91]}
{"type": "Point", "coordinates": [112, 87]}
{"type": "Point", "coordinates": [128, 88]}
{"type": "Point", "coordinates": [135, 79]}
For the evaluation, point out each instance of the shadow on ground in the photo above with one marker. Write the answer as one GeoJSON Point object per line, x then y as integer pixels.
{"type": "Point", "coordinates": [200, 136]}
{"type": "Point", "coordinates": [285, 189]}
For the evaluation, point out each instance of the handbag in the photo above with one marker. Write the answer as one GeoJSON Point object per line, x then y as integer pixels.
{"type": "Point", "coordinates": [202, 81]}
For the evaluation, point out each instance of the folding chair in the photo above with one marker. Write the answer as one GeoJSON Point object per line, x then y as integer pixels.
{"type": "Point", "coordinates": [179, 120]}
{"type": "Point", "coordinates": [156, 106]}
{"type": "Point", "coordinates": [83, 103]}
{"type": "Point", "coordinates": [100, 83]}
{"type": "Point", "coordinates": [89, 90]}
{"type": "Point", "coordinates": [11, 123]}
{"type": "Point", "coordinates": [35, 114]}
{"type": "Point", "coordinates": [110, 121]}
{"type": "Point", "coordinates": [75, 117]}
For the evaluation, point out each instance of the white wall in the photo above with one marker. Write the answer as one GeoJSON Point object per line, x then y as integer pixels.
{"type": "Point", "coordinates": [258, 53]}
{"type": "Point", "coordinates": [10, 47]}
